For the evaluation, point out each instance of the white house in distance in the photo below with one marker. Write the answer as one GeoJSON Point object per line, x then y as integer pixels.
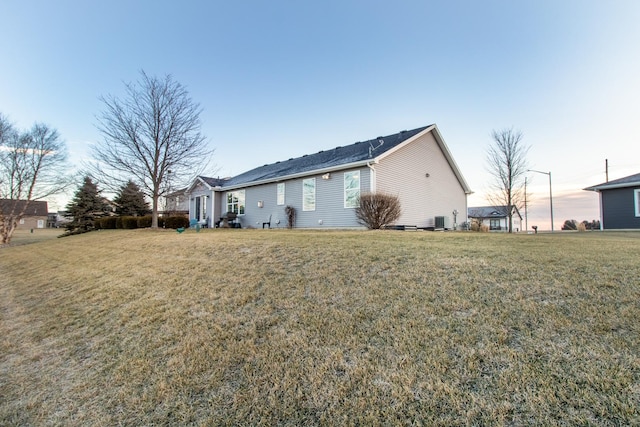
{"type": "Point", "coordinates": [496, 217]}
{"type": "Point", "coordinates": [324, 187]}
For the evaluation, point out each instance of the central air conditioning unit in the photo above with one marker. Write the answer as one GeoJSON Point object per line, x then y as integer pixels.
{"type": "Point", "coordinates": [443, 223]}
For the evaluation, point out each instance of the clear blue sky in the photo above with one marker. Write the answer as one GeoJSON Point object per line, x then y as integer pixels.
{"type": "Point", "coordinates": [280, 79]}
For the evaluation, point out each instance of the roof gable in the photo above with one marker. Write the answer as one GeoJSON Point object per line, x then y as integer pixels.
{"type": "Point", "coordinates": [627, 181]}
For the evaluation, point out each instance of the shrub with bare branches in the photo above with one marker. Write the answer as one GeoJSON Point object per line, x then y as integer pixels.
{"type": "Point", "coordinates": [377, 210]}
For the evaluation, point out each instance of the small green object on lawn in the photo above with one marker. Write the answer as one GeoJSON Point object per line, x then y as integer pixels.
{"type": "Point", "coordinates": [180, 230]}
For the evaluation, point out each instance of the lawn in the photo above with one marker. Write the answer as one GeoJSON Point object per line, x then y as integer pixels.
{"type": "Point", "coordinates": [293, 327]}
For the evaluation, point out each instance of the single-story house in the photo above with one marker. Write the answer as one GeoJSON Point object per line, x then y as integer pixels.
{"type": "Point", "coordinates": [619, 203]}
{"type": "Point", "coordinates": [496, 217]}
{"type": "Point", "coordinates": [324, 188]}
{"type": "Point", "coordinates": [34, 213]}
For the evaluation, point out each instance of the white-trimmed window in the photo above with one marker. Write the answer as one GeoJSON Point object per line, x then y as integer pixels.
{"type": "Point", "coordinates": [309, 194]}
{"type": "Point", "coordinates": [280, 193]}
{"type": "Point", "coordinates": [235, 202]}
{"type": "Point", "coordinates": [636, 200]}
{"type": "Point", "coordinates": [351, 189]}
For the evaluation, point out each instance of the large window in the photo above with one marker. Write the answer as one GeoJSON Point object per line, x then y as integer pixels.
{"type": "Point", "coordinates": [351, 189]}
{"type": "Point", "coordinates": [309, 194]}
{"type": "Point", "coordinates": [235, 202]}
{"type": "Point", "coordinates": [280, 194]}
{"type": "Point", "coordinates": [636, 200]}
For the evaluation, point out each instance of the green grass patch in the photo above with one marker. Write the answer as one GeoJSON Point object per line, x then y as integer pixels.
{"type": "Point", "coordinates": [292, 327]}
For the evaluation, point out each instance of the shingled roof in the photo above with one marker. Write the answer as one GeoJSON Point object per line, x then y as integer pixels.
{"type": "Point", "coordinates": [323, 160]}
{"type": "Point", "coordinates": [627, 181]}
{"type": "Point", "coordinates": [30, 207]}
{"type": "Point", "coordinates": [488, 212]}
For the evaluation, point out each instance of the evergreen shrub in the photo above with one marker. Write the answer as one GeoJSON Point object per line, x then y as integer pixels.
{"type": "Point", "coordinates": [129, 222]}
{"type": "Point", "coordinates": [109, 223]}
{"type": "Point", "coordinates": [145, 221]}
{"type": "Point", "coordinates": [176, 222]}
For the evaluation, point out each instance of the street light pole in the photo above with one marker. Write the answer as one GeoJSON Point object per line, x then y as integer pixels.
{"type": "Point", "coordinates": [550, 193]}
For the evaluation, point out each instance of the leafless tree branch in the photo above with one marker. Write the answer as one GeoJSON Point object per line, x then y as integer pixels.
{"type": "Point", "coordinates": [152, 132]}
{"type": "Point", "coordinates": [507, 163]}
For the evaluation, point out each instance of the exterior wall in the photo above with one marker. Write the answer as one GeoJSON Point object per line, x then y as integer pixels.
{"type": "Point", "coordinates": [403, 173]}
{"type": "Point", "coordinates": [329, 212]}
{"type": "Point", "coordinates": [618, 209]}
{"type": "Point", "coordinates": [29, 222]}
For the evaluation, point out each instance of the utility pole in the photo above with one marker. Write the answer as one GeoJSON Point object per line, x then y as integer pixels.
{"type": "Point", "coordinates": [606, 169]}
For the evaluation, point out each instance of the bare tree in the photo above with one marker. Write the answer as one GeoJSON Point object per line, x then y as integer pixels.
{"type": "Point", "coordinates": [507, 163]}
{"type": "Point", "coordinates": [32, 167]}
{"type": "Point", "coordinates": [150, 134]}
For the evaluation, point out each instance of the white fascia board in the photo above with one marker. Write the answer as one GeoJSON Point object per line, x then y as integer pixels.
{"type": "Point", "coordinates": [612, 186]}
{"type": "Point", "coordinates": [296, 175]}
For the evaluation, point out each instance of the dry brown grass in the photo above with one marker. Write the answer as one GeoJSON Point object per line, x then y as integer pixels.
{"type": "Point", "coordinates": [290, 327]}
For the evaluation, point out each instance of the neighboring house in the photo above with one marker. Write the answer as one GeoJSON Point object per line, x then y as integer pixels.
{"type": "Point", "coordinates": [324, 188]}
{"type": "Point", "coordinates": [58, 219]}
{"type": "Point", "coordinates": [619, 203]}
{"type": "Point", "coordinates": [496, 217]}
{"type": "Point", "coordinates": [35, 212]}
{"type": "Point", "coordinates": [176, 203]}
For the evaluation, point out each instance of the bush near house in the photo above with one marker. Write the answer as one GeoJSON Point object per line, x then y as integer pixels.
{"type": "Point", "coordinates": [376, 210]}
{"type": "Point", "coordinates": [106, 223]}
{"type": "Point", "coordinates": [175, 222]}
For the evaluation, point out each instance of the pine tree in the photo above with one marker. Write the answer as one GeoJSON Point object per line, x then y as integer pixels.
{"type": "Point", "coordinates": [130, 201]}
{"type": "Point", "coordinates": [86, 206]}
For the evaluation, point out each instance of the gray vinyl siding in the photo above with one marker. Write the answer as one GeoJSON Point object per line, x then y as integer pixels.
{"type": "Point", "coordinates": [618, 209]}
{"type": "Point", "coordinates": [329, 203]}
{"type": "Point", "coordinates": [403, 173]}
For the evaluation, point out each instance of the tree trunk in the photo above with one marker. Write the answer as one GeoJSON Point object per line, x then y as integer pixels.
{"type": "Point", "coordinates": [154, 212]}
{"type": "Point", "coordinates": [8, 227]}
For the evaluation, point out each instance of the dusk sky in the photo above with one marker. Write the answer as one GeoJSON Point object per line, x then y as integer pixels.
{"type": "Point", "coordinates": [280, 79]}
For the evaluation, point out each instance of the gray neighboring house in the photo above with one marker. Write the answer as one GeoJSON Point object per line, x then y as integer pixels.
{"type": "Point", "coordinates": [619, 203]}
{"type": "Point", "coordinates": [496, 217]}
{"type": "Point", "coordinates": [324, 187]}
{"type": "Point", "coordinates": [176, 203]}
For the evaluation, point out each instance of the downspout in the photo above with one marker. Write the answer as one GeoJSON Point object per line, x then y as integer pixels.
{"type": "Point", "coordinates": [372, 179]}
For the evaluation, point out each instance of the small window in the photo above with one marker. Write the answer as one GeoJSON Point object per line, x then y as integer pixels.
{"type": "Point", "coordinates": [636, 200]}
{"type": "Point", "coordinates": [351, 189]}
{"type": "Point", "coordinates": [309, 194]}
{"type": "Point", "coordinates": [21, 221]}
{"type": "Point", "coordinates": [235, 202]}
{"type": "Point", "coordinates": [280, 193]}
